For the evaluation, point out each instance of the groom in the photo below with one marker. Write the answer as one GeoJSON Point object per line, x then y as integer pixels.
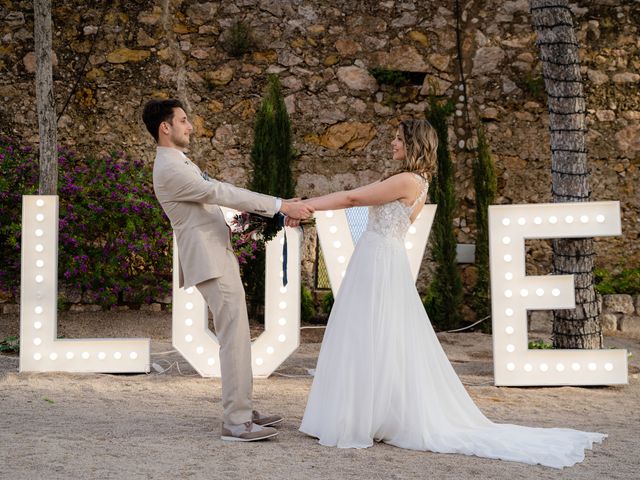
{"type": "Point", "coordinates": [207, 260]}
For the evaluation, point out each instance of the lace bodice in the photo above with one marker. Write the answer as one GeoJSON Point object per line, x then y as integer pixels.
{"type": "Point", "coordinates": [393, 219]}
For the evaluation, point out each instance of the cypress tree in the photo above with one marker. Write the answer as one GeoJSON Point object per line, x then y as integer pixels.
{"type": "Point", "coordinates": [444, 295]}
{"type": "Point", "coordinates": [271, 158]}
{"type": "Point", "coordinates": [272, 151]}
{"type": "Point", "coordinates": [485, 183]}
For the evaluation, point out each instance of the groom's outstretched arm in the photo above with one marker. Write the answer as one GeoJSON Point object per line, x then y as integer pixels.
{"type": "Point", "coordinates": [179, 184]}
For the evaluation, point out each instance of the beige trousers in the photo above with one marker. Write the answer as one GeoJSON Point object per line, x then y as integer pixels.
{"type": "Point", "coordinates": [226, 300]}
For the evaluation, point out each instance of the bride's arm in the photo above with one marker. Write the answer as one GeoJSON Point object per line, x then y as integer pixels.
{"type": "Point", "coordinates": [399, 186]}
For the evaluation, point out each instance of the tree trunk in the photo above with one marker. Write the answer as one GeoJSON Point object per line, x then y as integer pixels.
{"type": "Point", "coordinates": [553, 22]}
{"type": "Point", "coordinates": [44, 97]}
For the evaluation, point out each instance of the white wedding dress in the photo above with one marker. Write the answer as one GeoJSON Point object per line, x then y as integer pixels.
{"type": "Point", "coordinates": [383, 376]}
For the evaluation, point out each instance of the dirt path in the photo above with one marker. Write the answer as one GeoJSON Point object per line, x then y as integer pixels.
{"type": "Point", "coordinates": [96, 426]}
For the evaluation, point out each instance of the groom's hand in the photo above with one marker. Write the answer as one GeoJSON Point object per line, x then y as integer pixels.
{"type": "Point", "coordinates": [296, 209]}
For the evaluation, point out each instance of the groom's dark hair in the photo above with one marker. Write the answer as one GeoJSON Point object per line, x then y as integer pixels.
{"type": "Point", "coordinates": [157, 111]}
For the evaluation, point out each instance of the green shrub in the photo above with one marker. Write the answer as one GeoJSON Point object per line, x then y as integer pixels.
{"type": "Point", "coordinates": [271, 158]}
{"type": "Point", "coordinates": [327, 303]}
{"type": "Point", "coordinates": [485, 183]}
{"type": "Point", "coordinates": [307, 305]}
{"type": "Point", "coordinates": [10, 344]}
{"type": "Point", "coordinates": [625, 282]}
{"type": "Point", "coordinates": [394, 78]}
{"type": "Point", "coordinates": [539, 345]}
{"type": "Point", "coordinates": [534, 86]}
{"type": "Point", "coordinates": [114, 241]}
{"type": "Point", "coordinates": [239, 39]}
{"type": "Point", "coordinates": [444, 296]}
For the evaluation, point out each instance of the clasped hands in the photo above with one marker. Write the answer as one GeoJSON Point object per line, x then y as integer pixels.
{"type": "Point", "coordinates": [295, 210]}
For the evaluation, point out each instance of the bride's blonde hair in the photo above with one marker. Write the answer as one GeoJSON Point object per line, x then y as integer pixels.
{"type": "Point", "coordinates": [421, 147]}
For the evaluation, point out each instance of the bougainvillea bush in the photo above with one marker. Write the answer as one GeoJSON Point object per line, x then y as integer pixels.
{"type": "Point", "coordinates": [114, 240]}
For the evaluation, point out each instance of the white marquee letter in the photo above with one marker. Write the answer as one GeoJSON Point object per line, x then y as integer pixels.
{"type": "Point", "coordinates": [513, 293]}
{"type": "Point", "coordinates": [40, 351]}
{"type": "Point", "coordinates": [337, 243]}
{"type": "Point", "coordinates": [281, 336]}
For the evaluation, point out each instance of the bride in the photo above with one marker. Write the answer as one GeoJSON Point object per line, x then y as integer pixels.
{"type": "Point", "coordinates": [382, 374]}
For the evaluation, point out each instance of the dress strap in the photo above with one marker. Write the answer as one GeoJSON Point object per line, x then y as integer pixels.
{"type": "Point", "coordinates": [423, 191]}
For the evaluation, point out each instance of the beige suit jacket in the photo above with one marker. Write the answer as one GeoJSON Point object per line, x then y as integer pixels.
{"type": "Point", "coordinates": [193, 207]}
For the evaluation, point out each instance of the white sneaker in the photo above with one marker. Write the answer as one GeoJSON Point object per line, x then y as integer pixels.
{"type": "Point", "coordinates": [246, 432]}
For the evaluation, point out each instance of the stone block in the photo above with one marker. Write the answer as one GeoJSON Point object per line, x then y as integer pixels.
{"type": "Point", "coordinates": [202, 13]}
{"type": "Point", "coordinates": [440, 62]}
{"type": "Point", "coordinates": [628, 139]}
{"type": "Point", "coordinates": [435, 85]}
{"type": "Point", "coordinates": [596, 77]}
{"type": "Point", "coordinates": [85, 308]}
{"type": "Point", "coordinates": [626, 77]}
{"type": "Point", "coordinates": [618, 303]}
{"type": "Point", "coordinates": [288, 59]}
{"type": "Point", "coordinates": [357, 79]}
{"type": "Point", "coordinates": [221, 76]}
{"type": "Point", "coordinates": [629, 324]}
{"type": "Point", "coordinates": [124, 55]}
{"type": "Point", "coordinates": [541, 321]}
{"type": "Point", "coordinates": [331, 116]}
{"type": "Point", "coordinates": [348, 135]}
{"type": "Point", "coordinates": [632, 115]}
{"type": "Point", "coordinates": [489, 114]}
{"type": "Point", "coordinates": [487, 59]}
{"type": "Point", "coordinates": [14, 19]}
{"type": "Point", "coordinates": [605, 115]}
{"type": "Point", "coordinates": [609, 322]}
{"type": "Point", "coordinates": [347, 47]}
{"type": "Point", "coordinates": [151, 307]}
{"type": "Point", "coordinates": [11, 308]}
{"type": "Point", "coordinates": [419, 37]}
{"type": "Point", "coordinates": [402, 57]}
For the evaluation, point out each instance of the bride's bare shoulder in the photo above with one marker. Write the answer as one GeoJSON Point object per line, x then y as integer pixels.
{"type": "Point", "coordinates": [406, 178]}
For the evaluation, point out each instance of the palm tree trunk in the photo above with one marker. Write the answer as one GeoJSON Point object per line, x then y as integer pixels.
{"type": "Point", "coordinates": [553, 22]}
{"type": "Point", "coordinates": [45, 99]}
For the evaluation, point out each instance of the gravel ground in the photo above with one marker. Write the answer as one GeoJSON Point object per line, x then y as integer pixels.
{"type": "Point", "coordinates": [147, 426]}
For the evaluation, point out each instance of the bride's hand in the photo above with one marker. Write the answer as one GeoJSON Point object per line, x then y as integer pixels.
{"type": "Point", "coordinates": [296, 209]}
{"type": "Point", "coordinates": [291, 222]}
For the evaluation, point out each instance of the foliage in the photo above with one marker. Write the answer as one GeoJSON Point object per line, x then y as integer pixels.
{"type": "Point", "coordinates": [272, 151]}
{"type": "Point", "coordinates": [271, 158]}
{"type": "Point", "coordinates": [327, 302]}
{"type": "Point", "coordinates": [394, 78]}
{"type": "Point", "coordinates": [250, 232]}
{"type": "Point", "coordinates": [239, 39]}
{"type": "Point", "coordinates": [485, 183]}
{"type": "Point", "coordinates": [244, 248]}
{"type": "Point", "coordinates": [10, 344]}
{"type": "Point", "coordinates": [18, 175]}
{"type": "Point", "coordinates": [626, 282]}
{"type": "Point", "coordinates": [444, 297]}
{"type": "Point", "coordinates": [534, 86]}
{"type": "Point", "coordinates": [539, 345]}
{"type": "Point", "coordinates": [307, 305]}
{"type": "Point", "coordinates": [114, 240]}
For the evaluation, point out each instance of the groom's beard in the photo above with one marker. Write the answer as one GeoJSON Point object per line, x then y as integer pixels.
{"type": "Point", "coordinates": [182, 142]}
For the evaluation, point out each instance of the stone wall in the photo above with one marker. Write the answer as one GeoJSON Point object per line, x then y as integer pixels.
{"type": "Point", "coordinates": [621, 312]}
{"type": "Point", "coordinates": [343, 119]}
